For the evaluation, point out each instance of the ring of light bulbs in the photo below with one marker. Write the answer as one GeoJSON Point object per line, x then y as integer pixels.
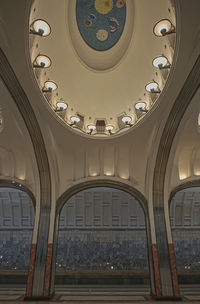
{"type": "Point", "coordinates": [42, 28]}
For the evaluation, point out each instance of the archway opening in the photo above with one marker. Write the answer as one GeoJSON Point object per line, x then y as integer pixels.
{"type": "Point", "coordinates": [102, 240]}
{"type": "Point", "coordinates": [185, 226]}
{"type": "Point", "coordinates": [16, 228]}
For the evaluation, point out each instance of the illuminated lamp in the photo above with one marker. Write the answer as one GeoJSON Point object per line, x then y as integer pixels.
{"type": "Point", "coordinates": [61, 106]}
{"type": "Point", "coordinates": [75, 119]}
{"type": "Point", "coordinates": [141, 106]}
{"type": "Point", "coordinates": [163, 27]}
{"type": "Point", "coordinates": [40, 27]}
{"type": "Point", "coordinates": [91, 128]}
{"type": "Point", "coordinates": [42, 61]}
{"type": "Point", "coordinates": [161, 62]}
{"type": "Point", "coordinates": [152, 87]}
{"type": "Point", "coordinates": [49, 86]}
{"type": "Point", "coordinates": [127, 120]}
{"type": "Point", "coordinates": [109, 128]}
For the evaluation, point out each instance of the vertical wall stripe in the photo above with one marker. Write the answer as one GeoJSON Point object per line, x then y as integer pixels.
{"type": "Point", "coordinates": [48, 271]}
{"type": "Point", "coordinates": [156, 270]}
{"type": "Point", "coordinates": [31, 271]}
{"type": "Point", "coordinates": [174, 270]}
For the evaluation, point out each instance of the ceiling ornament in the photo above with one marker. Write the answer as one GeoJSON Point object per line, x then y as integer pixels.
{"type": "Point", "coordinates": [102, 65]}
{"type": "Point", "coordinates": [101, 22]}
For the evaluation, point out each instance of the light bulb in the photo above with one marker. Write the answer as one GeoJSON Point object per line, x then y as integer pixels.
{"type": "Point", "coordinates": [41, 27]}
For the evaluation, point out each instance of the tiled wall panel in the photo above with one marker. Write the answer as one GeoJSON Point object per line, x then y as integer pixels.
{"type": "Point", "coordinates": [102, 250]}
{"type": "Point", "coordinates": [112, 214]}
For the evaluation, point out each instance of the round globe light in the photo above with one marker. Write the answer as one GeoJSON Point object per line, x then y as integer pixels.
{"type": "Point", "coordinates": [126, 119]}
{"type": "Point", "coordinates": [163, 27]}
{"type": "Point", "coordinates": [152, 87]}
{"type": "Point", "coordinates": [160, 62]}
{"type": "Point", "coordinates": [43, 61]}
{"type": "Point", "coordinates": [50, 85]}
{"type": "Point", "coordinates": [61, 105]}
{"type": "Point", "coordinates": [41, 27]}
{"type": "Point", "coordinates": [109, 128]}
{"type": "Point", "coordinates": [91, 127]}
{"type": "Point", "coordinates": [140, 106]}
{"type": "Point", "coordinates": [75, 119]}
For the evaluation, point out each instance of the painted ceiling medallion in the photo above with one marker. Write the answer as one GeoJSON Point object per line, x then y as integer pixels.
{"type": "Point", "coordinates": [101, 22]}
{"type": "Point", "coordinates": [103, 6]}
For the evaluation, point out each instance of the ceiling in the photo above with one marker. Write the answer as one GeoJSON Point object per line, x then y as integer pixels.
{"type": "Point", "coordinates": [102, 85]}
{"type": "Point", "coordinates": [74, 158]}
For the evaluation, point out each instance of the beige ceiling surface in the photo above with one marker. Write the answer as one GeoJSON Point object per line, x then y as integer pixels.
{"type": "Point", "coordinates": [72, 157]}
{"type": "Point", "coordinates": [17, 159]}
{"type": "Point", "coordinates": [108, 83]}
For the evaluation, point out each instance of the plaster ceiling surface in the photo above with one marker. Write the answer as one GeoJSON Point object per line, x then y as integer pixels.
{"type": "Point", "coordinates": [69, 147]}
{"type": "Point", "coordinates": [102, 85]}
{"type": "Point", "coordinates": [17, 159]}
{"type": "Point", "coordinates": [185, 161]}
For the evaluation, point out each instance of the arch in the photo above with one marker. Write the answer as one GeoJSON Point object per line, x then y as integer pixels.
{"type": "Point", "coordinates": [188, 184]}
{"type": "Point", "coordinates": [83, 185]}
{"type": "Point", "coordinates": [7, 183]}
{"type": "Point", "coordinates": [17, 219]}
{"type": "Point", "coordinates": [185, 228]}
{"type": "Point", "coordinates": [101, 183]}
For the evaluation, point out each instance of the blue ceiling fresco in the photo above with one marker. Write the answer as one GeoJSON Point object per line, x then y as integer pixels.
{"type": "Point", "coordinates": [101, 22]}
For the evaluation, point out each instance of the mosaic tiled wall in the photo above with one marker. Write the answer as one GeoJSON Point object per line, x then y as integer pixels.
{"type": "Point", "coordinates": [15, 249]}
{"type": "Point", "coordinates": [16, 209]}
{"type": "Point", "coordinates": [185, 209]}
{"type": "Point", "coordinates": [187, 249]}
{"type": "Point", "coordinates": [94, 223]}
{"type": "Point", "coordinates": [102, 250]}
{"type": "Point", "coordinates": [16, 226]}
{"type": "Point", "coordinates": [185, 223]}
{"type": "Point", "coordinates": [88, 221]}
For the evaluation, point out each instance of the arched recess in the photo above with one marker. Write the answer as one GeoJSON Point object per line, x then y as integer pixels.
{"type": "Point", "coordinates": [108, 184]}
{"type": "Point", "coordinates": [184, 204]}
{"type": "Point", "coordinates": [17, 210]}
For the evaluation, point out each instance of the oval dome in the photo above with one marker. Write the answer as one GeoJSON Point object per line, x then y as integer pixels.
{"type": "Point", "coordinates": [102, 92]}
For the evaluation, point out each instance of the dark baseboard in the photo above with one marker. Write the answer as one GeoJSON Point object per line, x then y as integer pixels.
{"type": "Point", "coordinates": [167, 298]}
{"type": "Point", "coordinates": [40, 298]}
